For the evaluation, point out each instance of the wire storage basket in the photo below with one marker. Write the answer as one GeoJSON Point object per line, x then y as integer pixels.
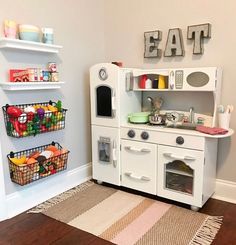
{"type": "Point", "coordinates": [32, 119]}
{"type": "Point", "coordinates": [36, 163]}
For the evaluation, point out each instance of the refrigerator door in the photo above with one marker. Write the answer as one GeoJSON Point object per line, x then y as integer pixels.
{"type": "Point", "coordinates": [106, 154]}
{"type": "Point", "coordinates": [105, 94]}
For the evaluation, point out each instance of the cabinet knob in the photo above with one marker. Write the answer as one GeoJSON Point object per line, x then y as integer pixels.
{"type": "Point", "coordinates": [180, 140]}
{"type": "Point", "coordinates": [131, 133]}
{"type": "Point", "coordinates": [144, 135]}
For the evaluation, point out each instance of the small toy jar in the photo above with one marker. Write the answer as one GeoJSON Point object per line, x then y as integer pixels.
{"type": "Point", "coordinates": [47, 35]}
{"type": "Point", "coordinates": [10, 29]}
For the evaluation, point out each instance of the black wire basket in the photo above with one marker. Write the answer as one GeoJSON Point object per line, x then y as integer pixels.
{"type": "Point", "coordinates": [33, 164]}
{"type": "Point", "coordinates": [32, 119]}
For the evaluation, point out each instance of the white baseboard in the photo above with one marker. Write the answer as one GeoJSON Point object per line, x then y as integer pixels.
{"type": "Point", "coordinates": [45, 189]}
{"type": "Point", "coordinates": [31, 196]}
{"type": "Point", "coordinates": [225, 191]}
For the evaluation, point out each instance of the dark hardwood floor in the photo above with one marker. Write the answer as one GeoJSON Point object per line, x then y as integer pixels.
{"type": "Point", "coordinates": [39, 229]}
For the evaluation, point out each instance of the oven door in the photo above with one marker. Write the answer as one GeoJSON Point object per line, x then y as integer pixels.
{"type": "Point", "coordinates": [180, 174]}
{"type": "Point", "coordinates": [104, 94]}
{"type": "Point", "coordinates": [106, 154]}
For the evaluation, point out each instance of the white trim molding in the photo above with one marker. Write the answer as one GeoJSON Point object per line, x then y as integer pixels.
{"type": "Point", "coordinates": [225, 191]}
{"type": "Point", "coordinates": [43, 190]}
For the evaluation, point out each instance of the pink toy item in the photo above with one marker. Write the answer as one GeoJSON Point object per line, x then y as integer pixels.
{"type": "Point", "coordinates": [212, 131]}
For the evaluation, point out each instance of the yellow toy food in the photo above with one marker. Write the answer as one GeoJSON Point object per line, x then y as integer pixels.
{"type": "Point", "coordinates": [18, 161]}
{"type": "Point", "coordinates": [52, 108]}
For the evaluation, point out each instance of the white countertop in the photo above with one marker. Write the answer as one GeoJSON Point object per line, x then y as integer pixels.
{"type": "Point", "coordinates": [175, 130]}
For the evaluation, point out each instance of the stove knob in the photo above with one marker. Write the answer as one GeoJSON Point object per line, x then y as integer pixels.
{"type": "Point", "coordinates": [180, 140]}
{"type": "Point", "coordinates": [144, 135]}
{"type": "Point", "coordinates": [131, 133]}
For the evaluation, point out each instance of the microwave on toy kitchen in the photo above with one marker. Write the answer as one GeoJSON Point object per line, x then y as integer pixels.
{"type": "Point", "coordinates": [194, 79]}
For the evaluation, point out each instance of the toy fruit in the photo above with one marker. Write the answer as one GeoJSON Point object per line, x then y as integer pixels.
{"type": "Point", "coordinates": [59, 116]}
{"type": "Point", "coordinates": [34, 154]}
{"type": "Point", "coordinates": [18, 161]}
{"type": "Point", "coordinates": [40, 112]}
{"type": "Point", "coordinates": [59, 105]}
{"type": "Point", "coordinates": [22, 118]}
{"type": "Point", "coordinates": [57, 153]}
{"type": "Point", "coordinates": [16, 127]}
{"type": "Point", "coordinates": [30, 116]}
{"type": "Point", "coordinates": [47, 154]}
{"type": "Point", "coordinates": [63, 151]}
{"type": "Point", "coordinates": [14, 111]}
{"type": "Point", "coordinates": [51, 148]}
{"type": "Point", "coordinates": [29, 109]}
{"type": "Point", "coordinates": [25, 134]}
{"type": "Point", "coordinates": [48, 114]}
{"type": "Point", "coordinates": [52, 108]}
{"type": "Point", "coordinates": [22, 126]}
{"type": "Point", "coordinates": [31, 160]}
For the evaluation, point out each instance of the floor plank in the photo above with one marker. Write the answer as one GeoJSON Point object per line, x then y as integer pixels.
{"type": "Point", "coordinates": [37, 229]}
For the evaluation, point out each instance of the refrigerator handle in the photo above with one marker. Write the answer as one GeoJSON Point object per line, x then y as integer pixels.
{"type": "Point", "coordinates": [113, 104]}
{"type": "Point", "coordinates": [114, 158]}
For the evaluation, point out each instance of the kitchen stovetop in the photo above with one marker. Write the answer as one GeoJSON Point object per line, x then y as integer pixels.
{"type": "Point", "coordinates": [164, 128]}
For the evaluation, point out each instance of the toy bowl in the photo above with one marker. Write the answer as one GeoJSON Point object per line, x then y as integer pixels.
{"type": "Point", "coordinates": [29, 33]}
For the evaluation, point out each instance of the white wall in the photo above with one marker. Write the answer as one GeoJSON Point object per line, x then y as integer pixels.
{"type": "Point", "coordinates": [126, 22]}
{"type": "Point", "coordinates": [79, 28]}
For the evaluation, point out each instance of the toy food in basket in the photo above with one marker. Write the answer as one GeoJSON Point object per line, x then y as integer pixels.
{"type": "Point", "coordinates": [31, 119]}
{"type": "Point", "coordinates": [33, 164]}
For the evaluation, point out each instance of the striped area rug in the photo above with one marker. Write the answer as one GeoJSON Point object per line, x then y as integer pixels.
{"type": "Point", "coordinates": [125, 218]}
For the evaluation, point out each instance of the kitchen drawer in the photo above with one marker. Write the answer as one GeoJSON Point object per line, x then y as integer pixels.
{"type": "Point", "coordinates": [139, 161]}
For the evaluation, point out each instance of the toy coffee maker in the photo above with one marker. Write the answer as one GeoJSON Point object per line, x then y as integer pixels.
{"type": "Point", "coordinates": [155, 117]}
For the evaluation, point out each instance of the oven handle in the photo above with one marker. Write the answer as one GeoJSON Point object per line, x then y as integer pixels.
{"type": "Point", "coordinates": [171, 155]}
{"type": "Point", "coordinates": [143, 150]}
{"type": "Point", "coordinates": [131, 175]}
{"type": "Point", "coordinates": [114, 159]}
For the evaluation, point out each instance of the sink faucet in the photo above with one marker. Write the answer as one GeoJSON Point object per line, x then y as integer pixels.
{"type": "Point", "coordinates": [191, 115]}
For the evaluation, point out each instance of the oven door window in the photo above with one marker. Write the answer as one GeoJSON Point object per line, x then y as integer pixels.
{"type": "Point", "coordinates": [104, 150]}
{"type": "Point", "coordinates": [104, 101]}
{"type": "Point", "coordinates": [179, 177]}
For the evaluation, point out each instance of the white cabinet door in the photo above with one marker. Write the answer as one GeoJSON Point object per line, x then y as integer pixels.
{"type": "Point", "coordinates": [180, 174]}
{"type": "Point", "coordinates": [105, 94]}
{"type": "Point", "coordinates": [139, 165]}
{"type": "Point", "coordinates": [106, 154]}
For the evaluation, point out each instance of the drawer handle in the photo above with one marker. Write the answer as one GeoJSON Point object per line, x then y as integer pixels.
{"type": "Point", "coordinates": [171, 155]}
{"type": "Point", "coordinates": [131, 175]}
{"type": "Point", "coordinates": [143, 150]}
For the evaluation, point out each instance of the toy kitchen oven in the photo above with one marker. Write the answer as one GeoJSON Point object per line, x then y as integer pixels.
{"type": "Point", "coordinates": [171, 162]}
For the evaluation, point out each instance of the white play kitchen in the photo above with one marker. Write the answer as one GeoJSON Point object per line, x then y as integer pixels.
{"type": "Point", "coordinates": [154, 130]}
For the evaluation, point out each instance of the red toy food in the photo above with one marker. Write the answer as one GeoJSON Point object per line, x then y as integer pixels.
{"type": "Point", "coordinates": [14, 111]}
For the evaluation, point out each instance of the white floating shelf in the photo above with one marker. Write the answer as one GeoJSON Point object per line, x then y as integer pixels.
{"type": "Point", "coordinates": [30, 85]}
{"type": "Point", "coordinates": [7, 43]}
{"type": "Point", "coordinates": [170, 90]}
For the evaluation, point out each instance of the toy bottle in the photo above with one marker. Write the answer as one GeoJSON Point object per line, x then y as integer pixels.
{"type": "Point", "coordinates": [161, 83]}
{"type": "Point", "coordinates": [142, 82]}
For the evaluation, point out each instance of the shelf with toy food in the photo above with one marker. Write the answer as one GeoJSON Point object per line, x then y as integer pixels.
{"type": "Point", "coordinates": [32, 119]}
{"type": "Point", "coordinates": [36, 163]}
{"type": "Point", "coordinates": [30, 85]}
{"type": "Point", "coordinates": [8, 43]}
